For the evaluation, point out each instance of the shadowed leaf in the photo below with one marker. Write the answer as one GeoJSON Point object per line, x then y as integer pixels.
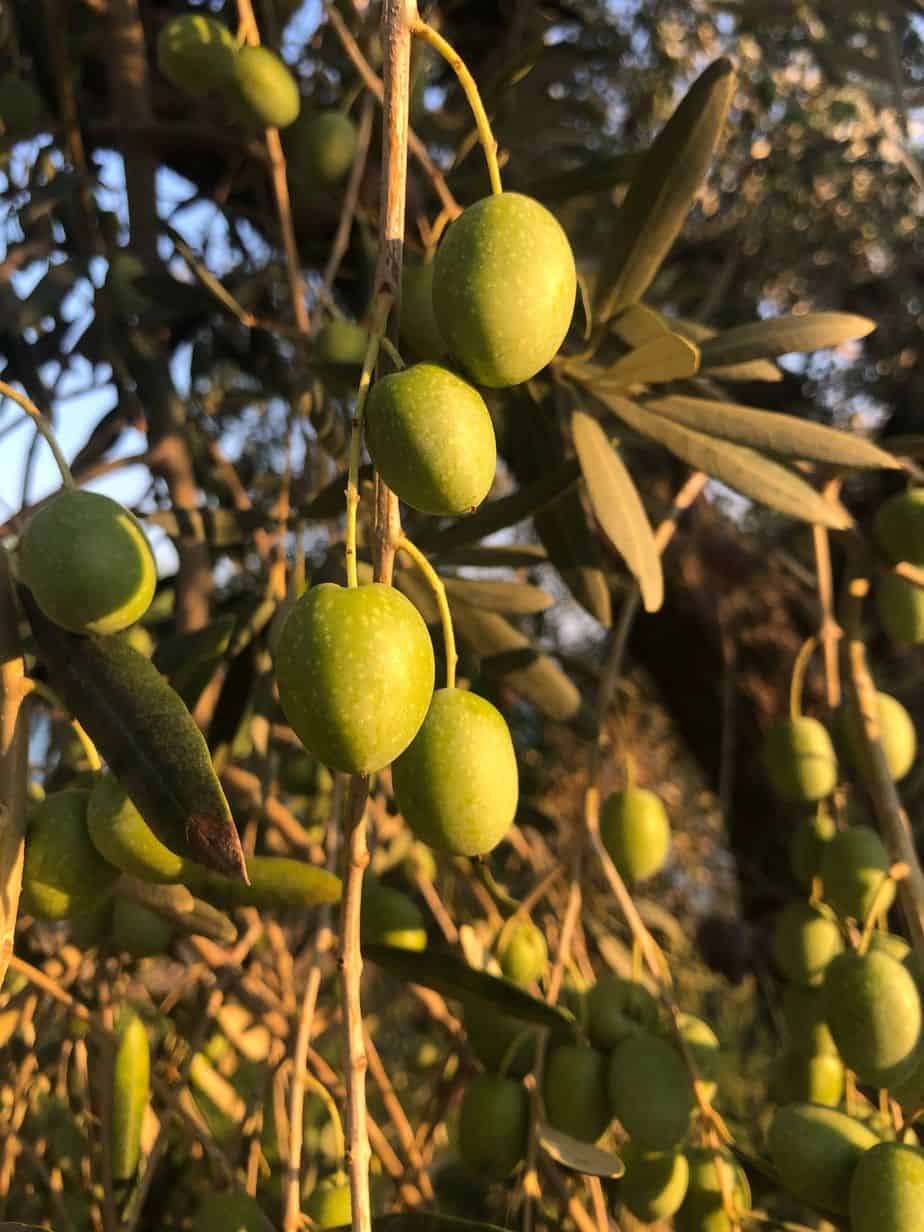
{"type": "Point", "coordinates": [499, 556]}
{"type": "Point", "coordinates": [783, 335]}
{"type": "Point", "coordinates": [754, 370]}
{"type": "Point", "coordinates": [575, 553]}
{"type": "Point", "coordinates": [578, 1156]}
{"type": "Point", "coordinates": [517, 598]}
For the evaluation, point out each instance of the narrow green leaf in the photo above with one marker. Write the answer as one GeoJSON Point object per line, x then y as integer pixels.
{"type": "Point", "coordinates": [754, 370]}
{"type": "Point", "coordinates": [496, 556]}
{"type": "Point", "coordinates": [663, 190]}
{"type": "Point", "coordinates": [774, 433]}
{"type": "Point", "coordinates": [449, 975]}
{"type": "Point", "coordinates": [576, 554]}
{"type": "Point", "coordinates": [782, 336]}
{"type": "Point", "coordinates": [600, 175]}
{"type": "Point", "coordinates": [748, 472]}
{"type": "Point", "coordinates": [515, 598]}
{"type": "Point", "coordinates": [618, 507]}
{"type": "Point", "coordinates": [578, 1156]}
{"type": "Point", "coordinates": [275, 882]}
{"type": "Point", "coordinates": [148, 738]}
{"type": "Point", "coordinates": [639, 324]}
{"type": "Point", "coordinates": [668, 357]}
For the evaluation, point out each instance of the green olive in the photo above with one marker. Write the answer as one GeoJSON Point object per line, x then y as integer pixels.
{"type": "Point", "coordinates": [898, 526]}
{"type": "Point", "coordinates": [63, 873]}
{"type": "Point", "coordinates": [196, 53]}
{"type": "Point", "coordinates": [493, 1124]}
{"type": "Point", "coordinates": [574, 1092]}
{"type": "Point", "coordinates": [815, 1151]}
{"type": "Point", "coordinates": [805, 940]}
{"type": "Point", "coordinates": [873, 1008]}
{"type": "Point", "coordinates": [855, 873]}
{"type": "Point", "coordinates": [800, 761]}
{"type": "Point", "coordinates": [636, 832]}
{"type": "Point", "coordinates": [264, 88]}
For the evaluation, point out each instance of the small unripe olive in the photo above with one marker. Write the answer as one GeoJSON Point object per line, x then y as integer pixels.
{"type": "Point", "coordinates": [853, 869]}
{"type": "Point", "coordinates": [419, 330]}
{"type": "Point", "coordinates": [504, 285]}
{"type": "Point", "coordinates": [355, 674]}
{"type": "Point", "coordinates": [650, 1091]}
{"type": "Point", "coordinates": [323, 148]}
{"type": "Point", "coordinates": [807, 1030]}
{"type": "Point", "coordinates": [574, 1092]}
{"type": "Point", "coordinates": [493, 1123]}
{"type": "Point", "coordinates": [811, 1080]}
{"type": "Point", "coordinates": [702, 1209]}
{"type": "Point", "coordinates": [457, 783]}
{"type": "Point", "coordinates": [655, 1182]}
{"type": "Point", "coordinates": [138, 930]}
{"type": "Point", "coordinates": [898, 526]}
{"type": "Point", "coordinates": [498, 1040]}
{"type": "Point", "coordinates": [88, 563]}
{"type": "Point", "coordinates": [887, 1189]}
{"type": "Point", "coordinates": [873, 1008]}
{"type": "Point", "coordinates": [391, 918]}
{"type": "Point", "coordinates": [341, 342]}
{"type": "Point", "coordinates": [196, 53]}
{"type": "Point", "coordinates": [636, 832]}
{"type": "Point", "coordinates": [807, 845]}
{"type": "Point", "coordinates": [63, 873]}
{"type": "Point", "coordinates": [522, 952]}
{"type": "Point", "coordinates": [232, 1211]}
{"type": "Point", "coordinates": [329, 1204]}
{"type": "Point", "coordinates": [705, 1049]}
{"type": "Point", "coordinates": [20, 106]}
{"type": "Point", "coordinates": [617, 1008]}
{"type": "Point", "coordinates": [431, 438]}
{"type": "Point", "coordinates": [800, 761]}
{"type": "Point", "coordinates": [264, 87]}
{"type": "Point", "coordinates": [900, 606]}
{"type": "Point", "coordinates": [896, 734]}
{"type": "Point", "coordinates": [815, 1151]}
{"type": "Point", "coordinates": [805, 940]}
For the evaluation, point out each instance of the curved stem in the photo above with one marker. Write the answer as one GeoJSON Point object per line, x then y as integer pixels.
{"type": "Point", "coordinates": [467, 82]}
{"type": "Point", "coordinates": [44, 427]}
{"type": "Point", "coordinates": [896, 873]}
{"type": "Point", "coordinates": [439, 592]}
{"type": "Point", "coordinates": [320, 1089]}
{"type": "Point", "coordinates": [798, 676]}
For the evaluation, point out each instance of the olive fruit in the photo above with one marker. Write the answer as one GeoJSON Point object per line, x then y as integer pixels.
{"type": "Point", "coordinates": [815, 1151]}
{"type": "Point", "coordinates": [704, 1047]}
{"type": "Point", "coordinates": [87, 562]}
{"type": "Point", "coordinates": [649, 1091]}
{"type": "Point", "coordinates": [457, 783]}
{"type": "Point", "coordinates": [898, 526]}
{"type": "Point", "coordinates": [800, 761]}
{"type": "Point", "coordinates": [329, 1204]}
{"type": "Point", "coordinates": [122, 836]}
{"type": "Point", "coordinates": [131, 1090]}
{"type": "Point", "coordinates": [636, 832]}
{"type": "Point", "coordinates": [805, 940]}
{"type": "Point", "coordinates": [230, 1212]}
{"type": "Point", "coordinates": [391, 918]}
{"type": "Point", "coordinates": [522, 952]}
{"type": "Point", "coordinates": [196, 53]}
{"type": "Point", "coordinates": [574, 1092]}
{"type": "Point", "coordinates": [419, 330]}
{"type": "Point", "coordinates": [896, 734]}
{"type": "Point", "coordinates": [617, 1008]}
{"type": "Point", "coordinates": [504, 286]}
{"type": "Point", "coordinates": [807, 846]}
{"type": "Point", "coordinates": [431, 438]}
{"type": "Point", "coordinates": [493, 1124]}
{"type": "Point", "coordinates": [20, 106]}
{"type": "Point", "coordinates": [323, 147]}
{"type": "Point", "coordinates": [900, 606]}
{"type": "Point", "coordinates": [887, 1189]}
{"type": "Point", "coordinates": [139, 931]}
{"type": "Point", "coordinates": [63, 873]}
{"type": "Point", "coordinates": [854, 866]}
{"type": "Point", "coordinates": [498, 1040]}
{"type": "Point", "coordinates": [810, 1080]}
{"type": "Point", "coordinates": [298, 774]}
{"type": "Point", "coordinates": [355, 674]}
{"type": "Point", "coordinates": [655, 1182]}
{"type": "Point", "coordinates": [341, 342]}
{"type": "Point", "coordinates": [807, 1030]}
{"type": "Point", "coordinates": [873, 1008]}
{"type": "Point", "coordinates": [897, 946]}
{"type": "Point", "coordinates": [264, 88]}
{"type": "Point", "coordinates": [702, 1209]}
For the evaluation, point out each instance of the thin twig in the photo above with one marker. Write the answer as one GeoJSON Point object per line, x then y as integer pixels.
{"type": "Point", "coordinates": [351, 196]}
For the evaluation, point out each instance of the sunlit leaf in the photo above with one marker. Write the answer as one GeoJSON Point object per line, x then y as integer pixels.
{"type": "Point", "coordinates": [515, 598]}
{"type": "Point", "coordinates": [814, 331]}
{"type": "Point", "coordinates": [667, 357]}
{"type": "Point", "coordinates": [754, 370]}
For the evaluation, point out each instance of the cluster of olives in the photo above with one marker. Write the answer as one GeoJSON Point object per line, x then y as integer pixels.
{"type": "Point", "coordinates": [355, 666]}
{"type": "Point", "coordinates": [899, 532]}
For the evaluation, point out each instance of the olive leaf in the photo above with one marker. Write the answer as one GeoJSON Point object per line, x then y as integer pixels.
{"type": "Point", "coordinates": [563, 531]}
{"type": "Point", "coordinates": [516, 598]}
{"type": "Point", "coordinates": [496, 556]}
{"type": "Point", "coordinates": [578, 1156]}
{"type": "Point", "coordinates": [451, 976]}
{"type": "Point", "coordinates": [147, 736]}
{"type": "Point", "coordinates": [667, 357]}
{"type": "Point", "coordinates": [639, 324]}
{"type": "Point", "coordinates": [776, 433]}
{"type": "Point", "coordinates": [176, 904]}
{"type": "Point", "coordinates": [663, 190]}
{"type": "Point", "coordinates": [275, 882]}
{"type": "Point", "coordinates": [748, 472]}
{"type": "Point", "coordinates": [783, 335]}
{"type": "Point", "coordinates": [753, 370]}
{"type": "Point", "coordinates": [618, 507]}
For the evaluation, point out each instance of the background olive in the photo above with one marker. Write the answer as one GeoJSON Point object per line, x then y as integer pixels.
{"type": "Point", "coordinates": [805, 939]}
{"type": "Point", "coordinates": [815, 1151]}
{"type": "Point", "coordinates": [807, 1030]}
{"type": "Point", "coordinates": [636, 832]}
{"type": "Point", "coordinates": [419, 330]}
{"type": "Point", "coordinates": [655, 1182]}
{"type": "Point", "coordinates": [900, 606]}
{"type": "Point", "coordinates": [264, 87]}
{"type": "Point", "coordinates": [137, 930]}
{"type": "Point", "coordinates": [329, 1204]}
{"type": "Point", "coordinates": [391, 918]}
{"type": "Point", "coordinates": [896, 734]}
{"type": "Point", "coordinates": [704, 1047]}
{"type": "Point", "coordinates": [504, 285]}
{"type": "Point", "coordinates": [800, 1078]}
{"type": "Point", "coordinates": [574, 1091]}
{"type": "Point", "coordinates": [617, 1008]}
{"type": "Point", "coordinates": [122, 836]}
{"type": "Point", "coordinates": [873, 1008]}
{"type": "Point", "coordinates": [807, 844]}
{"type": "Point", "coordinates": [702, 1209]}
{"type": "Point", "coordinates": [650, 1091]}
{"type": "Point", "coordinates": [322, 147]}
{"type": "Point", "coordinates": [131, 1090]}
{"type": "Point", "coordinates": [499, 1040]}
{"type": "Point", "coordinates": [899, 526]}
{"type": "Point", "coordinates": [800, 761]}
{"type": "Point", "coordinates": [341, 342]}
{"type": "Point", "coordinates": [854, 867]}
{"type": "Point", "coordinates": [457, 784]}
{"type": "Point", "coordinates": [88, 563]}
{"type": "Point", "coordinates": [493, 1124]}
{"type": "Point", "coordinates": [63, 873]}
{"type": "Point", "coordinates": [230, 1212]}
{"type": "Point", "coordinates": [887, 1190]}
{"type": "Point", "coordinates": [522, 951]}
{"type": "Point", "coordinates": [355, 674]}
{"type": "Point", "coordinates": [196, 53]}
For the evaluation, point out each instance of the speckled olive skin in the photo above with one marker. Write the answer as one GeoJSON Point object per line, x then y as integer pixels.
{"type": "Point", "coordinates": [702, 1209]}
{"type": "Point", "coordinates": [636, 832]}
{"type": "Point", "coordinates": [196, 53]}
{"type": "Point", "coordinates": [419, 330]}
{"type": "Point", "coordinates": [504, 285]}
{"type": "Point", "coordinates": [88, 563]}
{"type": "Point", "coordinates": [457, 785]}
{"type": "Point", "coordinates": [649, 1091]}
{"type": "Point", "coordinates": [574, 1092]}
{"type": "Point", "coordinates": [655, 1183]}
{"type": "Point", "coordinates": [887, 1190]}
{"type": "Point", "coordinates": [323, 147]}
{"type": "Point", "coordinates": [896, 733]}
{"type": "Point", "coordinates": [853, 868]}
{"type": "Point", "coordinates": [63, 874]}
{"type": "Point", "coordinates": [873, 1008]}
{"type": "Point", "coordinates": [805, 940]}
{"type": "Point", "coordinates": [431, 439]}
{"type": "Point", "coordinates": [265, 88]}
{"type": "Point", "coordinates": [355, 674]}
{"type": "Point", "coordinates": [899, 526]}
{"type": "Point", "coordinates": [900, 606]}
{"type": "Point", "coordinates": [493, 1123]}
{"type": "Point", "coordinates": [800, 761]}
{"type": "Point", "coordinates": [815, 1151]}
